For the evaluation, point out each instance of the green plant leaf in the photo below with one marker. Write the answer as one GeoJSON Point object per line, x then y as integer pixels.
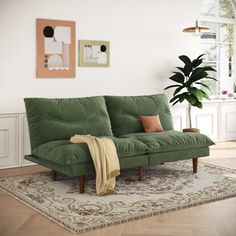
{"type": "Point", "coordinates": [179, 96]}
{"type": "Point", "coordinates": [209, 68]}
{"type": "Point", "coordinates": [205, 95]}
{"type": "Point", "coordinates": [178, 90]}
{"type": "Point", "coordinates": [197, 93]}
{"type": "Point", "coordinates": [175, 102]}
{"type": "Point", "coordinates": [172, 86]}
{"type": "Point", "coordinates": [204, 85]}
{"type": "Point", "coordinates": [199, 57]}
{"type": "Point", "coordinates": [191, 99]}
{"type": "Point", "coordinates": [174, 98]}
{"type": "Point", "coordinates": [181, 69]}
{"type": "Point", "coordinates": [196, 63]}
{"type": "Point", "coordinates": [178, 77]}
{"type": "Point", "coordinates": [182, 98]}
{"type": "Point", "coordinates": [198, 104]}
{"type": "Point", "coordinates": [185, 59]}
{"type": "Point", "coordinates": [197, 71]}
{"type": "Point", "coordinates": [196, 75]}
{"type": "Point", "coordinates": [187, 69]}
{"type": "Point", "coordinates": [211, 78]}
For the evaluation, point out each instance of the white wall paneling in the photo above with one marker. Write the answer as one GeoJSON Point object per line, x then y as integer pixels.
{"type": "Point", "coordinates": [206, 120]}
{"type": "Point", "coordinates": [228, 125]}
{"type": "Point", "coordinates": [9, 140]}
{"type": "Point", "coordinates": [26, 150]}
{"type": "Point", "coordinates": [4, 142]}
{"type": "Point", "coordinates": [179, 115]}
{"type": "Point", "coordinates": [217, 119]}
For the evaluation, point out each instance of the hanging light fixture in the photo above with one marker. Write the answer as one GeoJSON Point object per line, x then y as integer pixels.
{"type": "Point", "coordinates": [196, 30]}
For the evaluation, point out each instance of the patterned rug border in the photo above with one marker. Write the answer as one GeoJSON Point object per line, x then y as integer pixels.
{"type": "Point", "coordinates": [116, 222]}
{"type": "Point", "coordinates": [40, 211]}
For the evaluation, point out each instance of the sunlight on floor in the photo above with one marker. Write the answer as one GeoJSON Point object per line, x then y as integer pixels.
{"type": "Point", "coordinates": [222, 154]}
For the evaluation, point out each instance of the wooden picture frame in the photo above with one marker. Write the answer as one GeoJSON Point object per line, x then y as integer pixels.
{"type": "Point", "coordinates": [94, 53]}
{"type": "Point", "coordinates": [55, 48]}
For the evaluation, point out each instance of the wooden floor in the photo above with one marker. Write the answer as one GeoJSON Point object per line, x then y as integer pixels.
{"type": "Point", "coordinates": [214, 219]}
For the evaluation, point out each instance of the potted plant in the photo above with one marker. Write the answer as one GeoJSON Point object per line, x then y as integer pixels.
{"type": "Point", "coordinates": [189, 85]}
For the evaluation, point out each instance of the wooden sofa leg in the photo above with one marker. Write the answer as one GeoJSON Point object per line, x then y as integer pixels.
{"type": "Point", "coordinates": [54, 175]}
{"type": "Point", "coordinates": [195, 164]}
{"type": "Point", "coordinates": [81, 183]}
{"type": "Point", "coordinates": [140, 173]}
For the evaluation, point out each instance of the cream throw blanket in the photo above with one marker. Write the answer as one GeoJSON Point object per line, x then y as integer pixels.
{"type": "Point", "coordinates": [105, 159]}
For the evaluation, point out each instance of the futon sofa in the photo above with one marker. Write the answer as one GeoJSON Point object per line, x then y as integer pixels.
{"type": "Point", "coordinates": [53, 121]}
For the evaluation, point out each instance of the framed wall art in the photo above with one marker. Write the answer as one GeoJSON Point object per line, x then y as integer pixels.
{"type": "Point", "coordinates": [55, 48]}
{"type": "Point", "coordinates": [94, 53]}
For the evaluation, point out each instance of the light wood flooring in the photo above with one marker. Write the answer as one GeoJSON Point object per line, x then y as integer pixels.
{"type": "Point", "coordinates": [214, 219]}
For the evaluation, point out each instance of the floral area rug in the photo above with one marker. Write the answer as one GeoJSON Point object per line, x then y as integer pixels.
{"type": "Point", "coordinates": [165, 188]}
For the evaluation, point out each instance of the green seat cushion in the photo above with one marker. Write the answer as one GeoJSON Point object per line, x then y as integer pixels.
{"type": "Point", "coordinates": [65, 153]}
{"type": "Point", "coordinates": [59, 119]}
{"type": "Point", "coordinates": [88, 167]}
{"type": "Point", "coordinates": [171, 140]}
{"type": "Point", "coordinates": [125, 112]}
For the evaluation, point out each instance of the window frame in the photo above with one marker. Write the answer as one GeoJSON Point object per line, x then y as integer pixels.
{"type": "Point", "coordinates": [219, 20]}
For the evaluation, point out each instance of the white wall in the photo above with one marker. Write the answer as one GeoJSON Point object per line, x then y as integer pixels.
{"type": "Point", "coordinates": [145, 36]}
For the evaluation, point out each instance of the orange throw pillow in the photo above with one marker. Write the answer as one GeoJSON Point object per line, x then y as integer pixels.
{"type": "Point", "coordinates": [151, 124]}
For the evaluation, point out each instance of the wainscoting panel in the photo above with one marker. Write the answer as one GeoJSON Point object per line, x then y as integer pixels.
{"type": "Point", "coordinates": [4, 143]}
{"type": "Point", "coordinates": [25, 141]}
{"type": "Point", "coordinates": [228, 124]}
{"type": "Point", "coordinates": [179, 118]}
{"type": "Point", "coordinates": [206, 120]}
{"type": "Point", "coordinates": [9, 141]}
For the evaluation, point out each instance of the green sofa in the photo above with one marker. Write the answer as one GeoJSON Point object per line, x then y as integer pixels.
{"type": "Point", "coordinates": [53, 121]}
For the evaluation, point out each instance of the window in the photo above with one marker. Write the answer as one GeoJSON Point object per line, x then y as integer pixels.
{"type": "Point", "coordinates": [218, 44]}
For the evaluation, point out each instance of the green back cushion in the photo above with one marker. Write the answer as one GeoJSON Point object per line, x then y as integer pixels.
{"type": "Point", "coordinates": [59, 119]}
{"type": "Point", "coordinates": [125, 112]}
